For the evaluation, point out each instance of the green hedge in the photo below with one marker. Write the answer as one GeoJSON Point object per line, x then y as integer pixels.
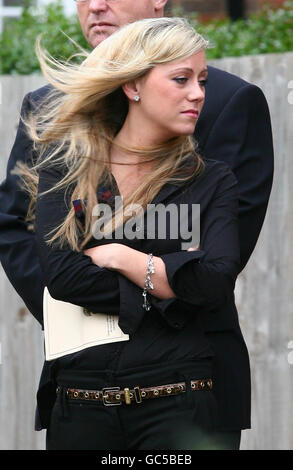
{"type": "Point", "coordinates": [268, 31]}
{"type": "Point", "coordinates": [17, 55]}
{"type": "Point", "coordinates": [265, 32]}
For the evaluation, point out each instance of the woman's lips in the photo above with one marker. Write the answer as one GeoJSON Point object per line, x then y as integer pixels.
{"type": "Point", "coordinates": [191, 112]}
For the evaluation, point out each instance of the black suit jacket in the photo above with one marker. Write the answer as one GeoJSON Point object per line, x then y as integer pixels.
{"type": "Point", "coordinates": [234, 127]}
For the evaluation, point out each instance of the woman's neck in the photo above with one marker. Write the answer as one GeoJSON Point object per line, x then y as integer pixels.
{"type": "Point", "coordinates": [128, 138]}
{"type": "Point", "coordinates": [122, 161]}
{"type": "Point", "coordinates": [138, 133]}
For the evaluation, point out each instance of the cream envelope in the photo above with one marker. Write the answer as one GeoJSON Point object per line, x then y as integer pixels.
{"type": "Point", "coordinates": [68, 329]}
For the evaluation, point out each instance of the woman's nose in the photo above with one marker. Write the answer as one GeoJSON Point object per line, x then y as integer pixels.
{"type": "Point", "coordinates": [196, 93]}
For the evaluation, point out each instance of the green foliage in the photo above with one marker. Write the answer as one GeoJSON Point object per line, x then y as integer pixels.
{"type": "Point", "coordinates": [17, 55]}
{"type": "Point", "coordinates": [265, 32]}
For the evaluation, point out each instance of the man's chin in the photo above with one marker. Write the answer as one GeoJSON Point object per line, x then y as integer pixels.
{"type": "Point", "coordinates": [96, 37]}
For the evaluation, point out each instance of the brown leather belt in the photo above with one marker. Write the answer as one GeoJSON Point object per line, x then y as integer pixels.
{"type": "Point", "coordinates": [111, 396]}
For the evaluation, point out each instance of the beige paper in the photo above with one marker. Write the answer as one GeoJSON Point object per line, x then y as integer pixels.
{"type": "Point", "coordinates": [67, 329]}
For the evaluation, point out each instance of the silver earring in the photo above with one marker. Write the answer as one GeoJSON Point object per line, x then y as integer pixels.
{"type": "Point", "coordinates": [136, 98]}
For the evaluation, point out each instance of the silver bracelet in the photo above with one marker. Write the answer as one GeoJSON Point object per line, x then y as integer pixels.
{"type": "Point", "coordinates": [148, 285]}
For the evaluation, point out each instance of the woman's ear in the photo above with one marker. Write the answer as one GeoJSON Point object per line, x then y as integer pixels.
{"type": "Point", "coordinates": [160, 4]}
{"type": "Point", "coordinates": [131, 90]}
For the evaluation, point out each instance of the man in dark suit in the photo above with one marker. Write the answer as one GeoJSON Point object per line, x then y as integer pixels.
{"type": "Point", "coordinates": [234, 127]}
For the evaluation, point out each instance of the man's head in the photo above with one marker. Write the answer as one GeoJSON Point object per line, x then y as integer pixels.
{"type": "Point", "coordinates": [100, 18]}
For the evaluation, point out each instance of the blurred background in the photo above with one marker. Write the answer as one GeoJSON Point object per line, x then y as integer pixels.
{"type": "Point", "coordinates": [235, 9]}
{"type": "Point", "coordinates": [252, 39]}
{"type": "Point", "coordinates": [207, 9]}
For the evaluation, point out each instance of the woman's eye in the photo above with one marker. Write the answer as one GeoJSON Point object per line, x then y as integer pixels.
{"type": "Point", "coordinates": [203, 82]}
{"type": "Point", "coordinates": [180, 80]}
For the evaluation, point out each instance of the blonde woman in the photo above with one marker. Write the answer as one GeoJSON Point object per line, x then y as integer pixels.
{"type": "Point", "coordinates": [120, 125]}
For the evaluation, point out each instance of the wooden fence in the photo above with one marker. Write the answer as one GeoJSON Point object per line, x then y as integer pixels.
{"type": "Point", "coordinates": [264, 291]}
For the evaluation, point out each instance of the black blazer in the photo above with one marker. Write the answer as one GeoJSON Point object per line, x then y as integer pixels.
{"type": "Point", "coordinates": [234, 127]}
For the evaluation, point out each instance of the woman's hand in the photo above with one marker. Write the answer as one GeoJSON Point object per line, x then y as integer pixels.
{"type": "Point", "coordinates": [106, 256]}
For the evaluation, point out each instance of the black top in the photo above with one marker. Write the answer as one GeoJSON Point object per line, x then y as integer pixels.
{"type": "Point", "coordinates": [202, 281]}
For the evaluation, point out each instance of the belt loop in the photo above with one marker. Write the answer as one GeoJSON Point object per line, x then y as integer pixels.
{"type": "Point", "coordinates": [186, 378]}
{"type": "Point", "coordinates": [62, 398]}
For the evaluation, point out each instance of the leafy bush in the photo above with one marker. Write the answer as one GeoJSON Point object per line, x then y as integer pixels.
{"type": "Point", "coordinates": [17, 55]}
{"type": "Point", "coordinates": [267, 31]}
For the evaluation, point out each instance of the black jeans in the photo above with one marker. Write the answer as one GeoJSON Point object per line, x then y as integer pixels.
{"type": "Point", "coordinates": [185, 421]}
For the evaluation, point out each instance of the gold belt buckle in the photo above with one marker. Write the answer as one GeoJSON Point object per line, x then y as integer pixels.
{"type": "Point", "coordinates": [105, 396]}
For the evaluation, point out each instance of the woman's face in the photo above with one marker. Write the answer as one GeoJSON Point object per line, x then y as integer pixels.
{"type": "Point", "coordinates": [171, 97]}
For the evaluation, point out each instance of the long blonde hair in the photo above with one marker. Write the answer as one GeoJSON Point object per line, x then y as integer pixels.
{"type": "Point", "coordinates": [75, 124]}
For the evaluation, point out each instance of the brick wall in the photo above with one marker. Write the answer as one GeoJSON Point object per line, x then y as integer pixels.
{"type": "Point", "coordinates": [211, 8]}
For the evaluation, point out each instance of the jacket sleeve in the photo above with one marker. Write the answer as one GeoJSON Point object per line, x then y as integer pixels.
{"type": "Point", "coordinates": [72, 276]}
{"type": "Point", "coordinates": [17, 244]}
{"type": "Point", "coordinates": [242, 137]}
{"type": "Point", "coordinates": [204, 280]}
